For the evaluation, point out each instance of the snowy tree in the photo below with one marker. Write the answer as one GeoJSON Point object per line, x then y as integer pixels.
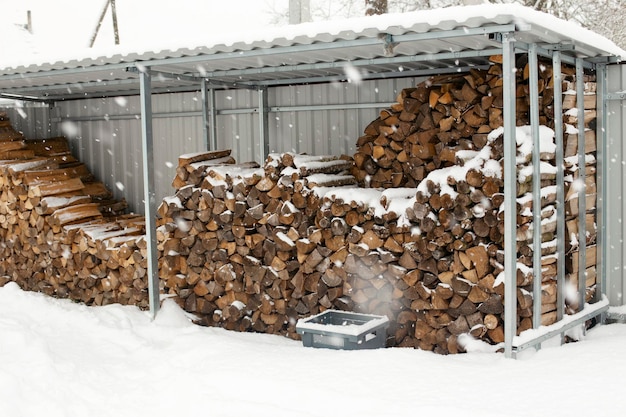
{"type": "Point", "coordinates": [606, 17]}
{"type": "Point", "coordinates": [373, 7]}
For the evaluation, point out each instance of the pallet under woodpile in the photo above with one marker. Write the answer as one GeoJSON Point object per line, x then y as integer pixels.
{"type": "Point", "coordinates": [61, 232]}
{"type": "Point", "coordinates": [410, 226]}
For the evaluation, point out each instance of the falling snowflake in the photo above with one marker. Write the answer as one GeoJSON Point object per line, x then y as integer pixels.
{"type": "Point", "coordinates": [353, 74]}
{"type": "Point", "coordinates": [69, 128]}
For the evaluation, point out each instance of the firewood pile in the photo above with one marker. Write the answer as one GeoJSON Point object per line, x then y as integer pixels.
{"type": "Point", "coordinates": [435, 126]}
{"type": "Point", "coordinates": [232, 239]}
{"type": "Point", "coordinates": [252, 248]}
{"type": "Point", "coordinates": [61, 231]}
{"type": "Point", "coordinates": [410, 227]}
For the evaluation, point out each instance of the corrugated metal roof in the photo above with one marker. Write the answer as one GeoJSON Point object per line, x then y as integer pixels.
{"type": "Point", "coordinates": [407, 44]}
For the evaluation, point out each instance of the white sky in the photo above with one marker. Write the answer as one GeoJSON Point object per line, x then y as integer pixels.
{"type": "Point", "coordinates": [72, 22]}
{"type": "Point", "coordinates": [63, 27]}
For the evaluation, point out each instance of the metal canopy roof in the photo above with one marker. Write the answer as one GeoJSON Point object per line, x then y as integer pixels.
{"type": "Point", "coordinates": [409, 44]}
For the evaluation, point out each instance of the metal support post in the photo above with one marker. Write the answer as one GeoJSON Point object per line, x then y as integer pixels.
{"type": "Point", "coordinates": [510, 183]}
{"type": "Point", "coordinates": [560, 184]}
{"type": "Point", "coordinates": [148, 187]}
{"type": "Point", "coordinates": [212, 120]}
{"type": "Point", "coordinates": [263, 149]}
{"type": "Point", "coordinates": [52, 114]}
{"type": "Point", "coordinates": [534, 124]}
{"type": "Point", "coordinates": [209, 116]}
{"type": "Point", "coordinates": [580, 185]}
{"type": "Point", "coordinates": [601, 153]}
{"type": "Point", "coordinates": [205, 113]}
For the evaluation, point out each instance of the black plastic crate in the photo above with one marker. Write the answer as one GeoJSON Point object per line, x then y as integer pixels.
{"type": "Point", "coordinates": [336, 329]}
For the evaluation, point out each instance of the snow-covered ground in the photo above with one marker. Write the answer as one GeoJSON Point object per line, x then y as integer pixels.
{"type": "Point", "coordinates": [59, 358]}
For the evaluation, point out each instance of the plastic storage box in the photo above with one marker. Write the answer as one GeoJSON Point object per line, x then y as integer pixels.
{"type": "Point", "coordinates": [336, 329]}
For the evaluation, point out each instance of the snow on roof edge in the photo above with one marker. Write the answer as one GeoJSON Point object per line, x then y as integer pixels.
{"type": "Point", "coordinates": [325, 31]}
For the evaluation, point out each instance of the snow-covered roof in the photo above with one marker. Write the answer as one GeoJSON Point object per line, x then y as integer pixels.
{"type": "Point", "coordinates": [393, 45]}
{"type": "Point", "coordinates": [17, 41]}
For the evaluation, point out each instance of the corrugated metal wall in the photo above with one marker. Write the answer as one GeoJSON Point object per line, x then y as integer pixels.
{"type": "Point", "coordinates": [32, 119]}
{"type": "Point", "coordinates": [105, 134]}
{"type": "Point", "coordinates": [616, 187]}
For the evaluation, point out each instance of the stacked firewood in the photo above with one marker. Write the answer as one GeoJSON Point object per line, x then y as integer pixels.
{"type": "Point", "coordinates": [576, 180]}
{"type": "Point", "coordinates": [433, 126]}
{"type": "Point", "coordinates": [298, 236]}
{"type": "Point", "coordinates": [422, 131]}
{"type": "Point", "coordinates": [7, 133]}
{"type": "Point", "coordinates": [410, 227]}
{"type": "Point", "coordinates": [256, 249]}
{"type": "Point", "coordinates": [62, 232]}
{"type": "Point", "coordinates": [231, 239]}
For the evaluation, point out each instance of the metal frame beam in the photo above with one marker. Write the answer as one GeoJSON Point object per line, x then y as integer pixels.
{"type": "Point", "coordinates": [147, 147]}
{"type": "Point", "coordinates": [581, 187]}
{"type": "Point", "coordinates": [533, 64]}
{"type": "Point", "coordinates": [272, 109]}
{"type": "Point", "coordinates": [598, 309]}
{"type": "Point", "coordinates": [405, 59]}
{"type": "Point", "coordinates": [326, 46]}
{"type": "Point", "coordinates": [213, 112]}
{"type": "Point", "coordinates": [18, 93]}
{"type": "Point", "coordinates": [263, 149]}
{"type": "Point", "coordinates": [560, 183]}
{"type": "Point", "coordinates": [602, 177]}
{"type": "Point", "coordinates": [515, 344]}
{"type": "Point", "coordinates": [510, 183]}
{"type": "Point", "coordinates": [205, 113]}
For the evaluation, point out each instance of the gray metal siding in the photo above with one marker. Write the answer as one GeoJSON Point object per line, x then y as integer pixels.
{"type": "Point", "coordinates": [334, 131]}
{"type": "Point", "coordinates": [105, 134]}
{"type": "Point", "coordinates": [32, 119]}
{"type": "Point", "coordinates": [108, 134]}
{"type": "Point", "coordinates": [616, 188]}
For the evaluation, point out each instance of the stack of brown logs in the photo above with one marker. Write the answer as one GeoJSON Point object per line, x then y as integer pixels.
{"type": "Point", "coordinates": [411, 227]}
{"type": "Point", "coordinates": [429, 125]}
{"type": "Point", "coordinates": [230, 240]}
{"type": "Point", "coordinates": [573, 183]}
{"type": "Point", "coordinates": [260, 248]}
{"type": "Point", "coordinates": [257, 249]}
{"type": "Point", "coordinates": [61, 231]}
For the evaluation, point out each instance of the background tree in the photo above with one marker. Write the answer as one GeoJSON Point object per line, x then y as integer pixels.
{"type": "Point", "coordinates": [606, 17]}
{"type": "Point", "coordinates": [373, 7]}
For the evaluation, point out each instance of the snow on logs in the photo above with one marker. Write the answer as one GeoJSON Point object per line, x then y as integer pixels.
{"type": "Point", "coordinates": [231, 245]}
{"type": "Point", "coordinates": [410, 227]}
{"type": "Point", "coordinates": [253, 248]}
{"type": "Point", "coordinates": [420, 240]}
{"type": "Point", "coordinates": [61, 231]}
{"type": "Point", "coordinates": [434, 125]}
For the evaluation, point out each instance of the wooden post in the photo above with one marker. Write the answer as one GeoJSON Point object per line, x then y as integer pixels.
{"type": "Point", "coordinates": [101, 19]}
{"type": "Point", "coordinates": [116, 32]}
